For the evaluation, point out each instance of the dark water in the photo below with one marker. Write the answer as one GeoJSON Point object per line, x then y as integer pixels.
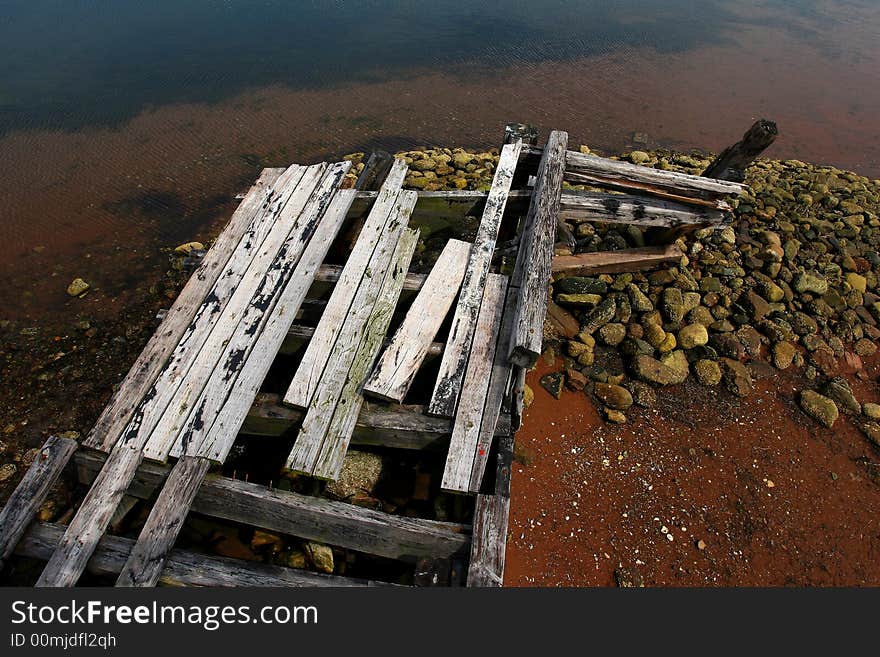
{"type": "Point", "coordinates": [126, 126]}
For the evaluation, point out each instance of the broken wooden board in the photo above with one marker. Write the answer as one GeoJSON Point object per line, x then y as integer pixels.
{"type": "Point", "coordinates": [472, 404]}
{"type": "Point", "coordinates": [357, 267]}
{"type": "Point", "coordinates": [638, 210]}
{"type": "Point", "coordinates": [531, 274]}
{"type": "Point", "coordinates": [614, 262]}
{"type": "Point", "coordinates": [455, 357]}
{"type": "Point", "coordinates": [298, 335]}
{"type": "Point", "coordinates": [400, 362]}
{"type": "Point", "coordinates": [31, 491]}
{"type": "Point", "coordinates": [328, 465]}
{"type": "Point", "coordinates": [329, 386]}
{"type": "Point", "coordinates": [149, 363]}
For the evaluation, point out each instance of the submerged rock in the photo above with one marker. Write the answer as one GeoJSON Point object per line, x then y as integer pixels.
{"type": "Point", "coordinates": [78, 287]}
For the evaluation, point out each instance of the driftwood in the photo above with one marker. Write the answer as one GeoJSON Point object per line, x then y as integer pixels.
{"type": "Point", "coordinates": [732, 162]}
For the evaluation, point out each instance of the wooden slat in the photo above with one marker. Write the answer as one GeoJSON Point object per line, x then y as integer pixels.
{"type": "Point", "coordinates": [532, 272]}
{"type": "Point", "coordinates": [328, 465]}
{"type": "Point", "coordinates": [499, 386]}
{"type": "Point", "coordinates": [638, 210]}
{"type": "Point", "coordinates": [150, 361]}
{"type": "Point", "coordinates": [672, 181]}
{"type": "Point", "coordinates": [31, 491]}
{"type": "Point", "coordinates": [331, 273]}
{"type": "Point", "coordinates": [85, 530]}
{"type": "Point", "coordinates": [161, 423]}
{"type": "Point", "coordinates": [398, 427]}
{"type": "Point", "coordinates": [147, 558]}
{"type": "Point", "coordinates": [298, 334]}
{"type": "Point", "coordinates": [612, 262]}
{"type": "Point", "coordinates": [454, 363]}
{"type": "Point", "coordinates": [213, 425]}
{"type": "Point", "coordinates": [310, 518]}
{"type": "Point", "coordinates": [305, 381]}
{"type": "Point", "coordinates": [399, 364]}
{"type": "Point", "coordinates": [489, 542]}
{"type": "Point", "coordinates": [183, 568]}
{"type": "Point", "coordinates": [328, 391]}
{"type": "Point", "coordinates": [629, 186]}
{"type": "Point", "coordinates": [469, 416]}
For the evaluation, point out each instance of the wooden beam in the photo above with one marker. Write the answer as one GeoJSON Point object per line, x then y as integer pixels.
{"type": "Point", "coordinates": [631, 186]}
{"type": "Point", "coordinates": [639, 210]}
{"type": "Point", "coordinates": [531, 275]}
{"type": "Point", "coordinates": [472, 404]}
{"type": "Point", "coordinates": [331, 273]}
{"type": "Point", "coordinates": [28, 496]}
{"type": "Point", "coordinates": [310, 518]}
{"type": "Point", "coordinates": [613, 262]}
{"type": "Point", "coordinates": [452, 367]}
{"type": "Point", "coordinates": [399, 364]}
{"type": "Point", "coordinates": [324, 389]}
{"type": "Point", "coordinates": [328, 465]}
{"type": "Point", "coordinates": [398, 427]}
{"type": "Point", "coordinates": [149, 363]}
{"type": "Point", "coordinates": [297, 335]}
{"type": "Point", "coordinates": [183, 568]}
{"type": "Point", "coordinates": [305, 380]}
{"type": "Point", "coordinates": [147, 558]}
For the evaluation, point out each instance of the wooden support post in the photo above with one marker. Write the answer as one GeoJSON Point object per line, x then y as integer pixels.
{"type": "Point", "coordinates": [144, 565]}
{"type": "Point", "coordinates": [732, 162]}
{"type": "Point", "coordinates": [532, 273]}
{"type": "Point", "coordinates": [33, 488]}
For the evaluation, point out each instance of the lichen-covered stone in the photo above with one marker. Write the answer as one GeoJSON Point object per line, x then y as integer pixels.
{"type": "Point", "coordinates": [819, 407]}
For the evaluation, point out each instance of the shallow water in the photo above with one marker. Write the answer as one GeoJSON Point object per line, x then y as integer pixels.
{"type": "Point", "coordinates": [126, 127]}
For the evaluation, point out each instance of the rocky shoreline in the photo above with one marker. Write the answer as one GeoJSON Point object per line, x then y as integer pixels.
{"type": "Point", "coordinates": [792, 282]}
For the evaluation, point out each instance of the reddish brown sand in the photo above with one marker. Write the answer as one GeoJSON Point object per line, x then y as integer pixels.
{"type": "Point", "coordinates": [776, 499]}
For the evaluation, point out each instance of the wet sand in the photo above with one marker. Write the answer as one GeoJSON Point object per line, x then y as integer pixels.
{"type": "Point", "coordinates": [776, 499]}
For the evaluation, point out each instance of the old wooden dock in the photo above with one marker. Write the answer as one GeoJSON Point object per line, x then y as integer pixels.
{"type": "Point", "coordinates": [357, 336]}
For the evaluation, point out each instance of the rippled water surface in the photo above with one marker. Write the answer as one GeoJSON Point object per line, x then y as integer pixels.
{"type": "Point", "coordinates": [128, 126]}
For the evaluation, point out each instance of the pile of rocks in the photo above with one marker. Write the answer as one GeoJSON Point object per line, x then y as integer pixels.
{"type": "Point", "coordinates": [793, 280]}
{"type": "Point", "coordinates": [436, 169]}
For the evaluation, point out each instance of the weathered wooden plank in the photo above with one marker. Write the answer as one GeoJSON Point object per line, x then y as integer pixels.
{"type": "Point", "coordinates": [31, 491]}
{"type": "Point", "coordinates": [331, 273]}
{"type": "Point", "coordinates": [599, 181]}
{"type": "Point", "coordinates": [490, 541]}
{"type": "Point", "coordinates": [305, 380]}
{"type": "Point", "coordinates": [85, 530]}
{"type": "Point", "coordinates": [399, 364]}
{"type": "Point", "coordinates": [216, 418]}
{"type": "Point", "coordinates": [311, 518]}
{"type": "Point", "coordinates": [612, 262]}
{"type": "Point", "coordinates": [146, 368]}
{"type": "Point", "coordinates": [452, 367]}
{"type": "Point", "coordinates": [183, 568]}
{"type": "Point", "coordinates": [328, 391]}
{"type": "Point", "coordinates": [499, 385]}
{"type": "Point", "coordinates": [579, 207]}
{"type": "Point", "coordinates": [147, 558]}
{"type": "Point", "coordinates": [671, 181]}
{"type": "Point", "coordinates": [165, 414]}
{"type": "Point", "coordinates": [297, 335]}
{"type": "Point", "coordinates": [375, 171]}
{"type": "Point", "coordinates": [328, 465]}
{"type": "Point", "coordinates": [472, 404]}
{"type": "Point", "coordinates": [532, 271]}
{"type": "Point", "coordinates": [398, 427]}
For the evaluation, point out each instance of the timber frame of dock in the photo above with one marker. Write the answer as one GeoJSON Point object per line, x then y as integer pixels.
{"type": "Point", "coordinates": [197, 386]}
